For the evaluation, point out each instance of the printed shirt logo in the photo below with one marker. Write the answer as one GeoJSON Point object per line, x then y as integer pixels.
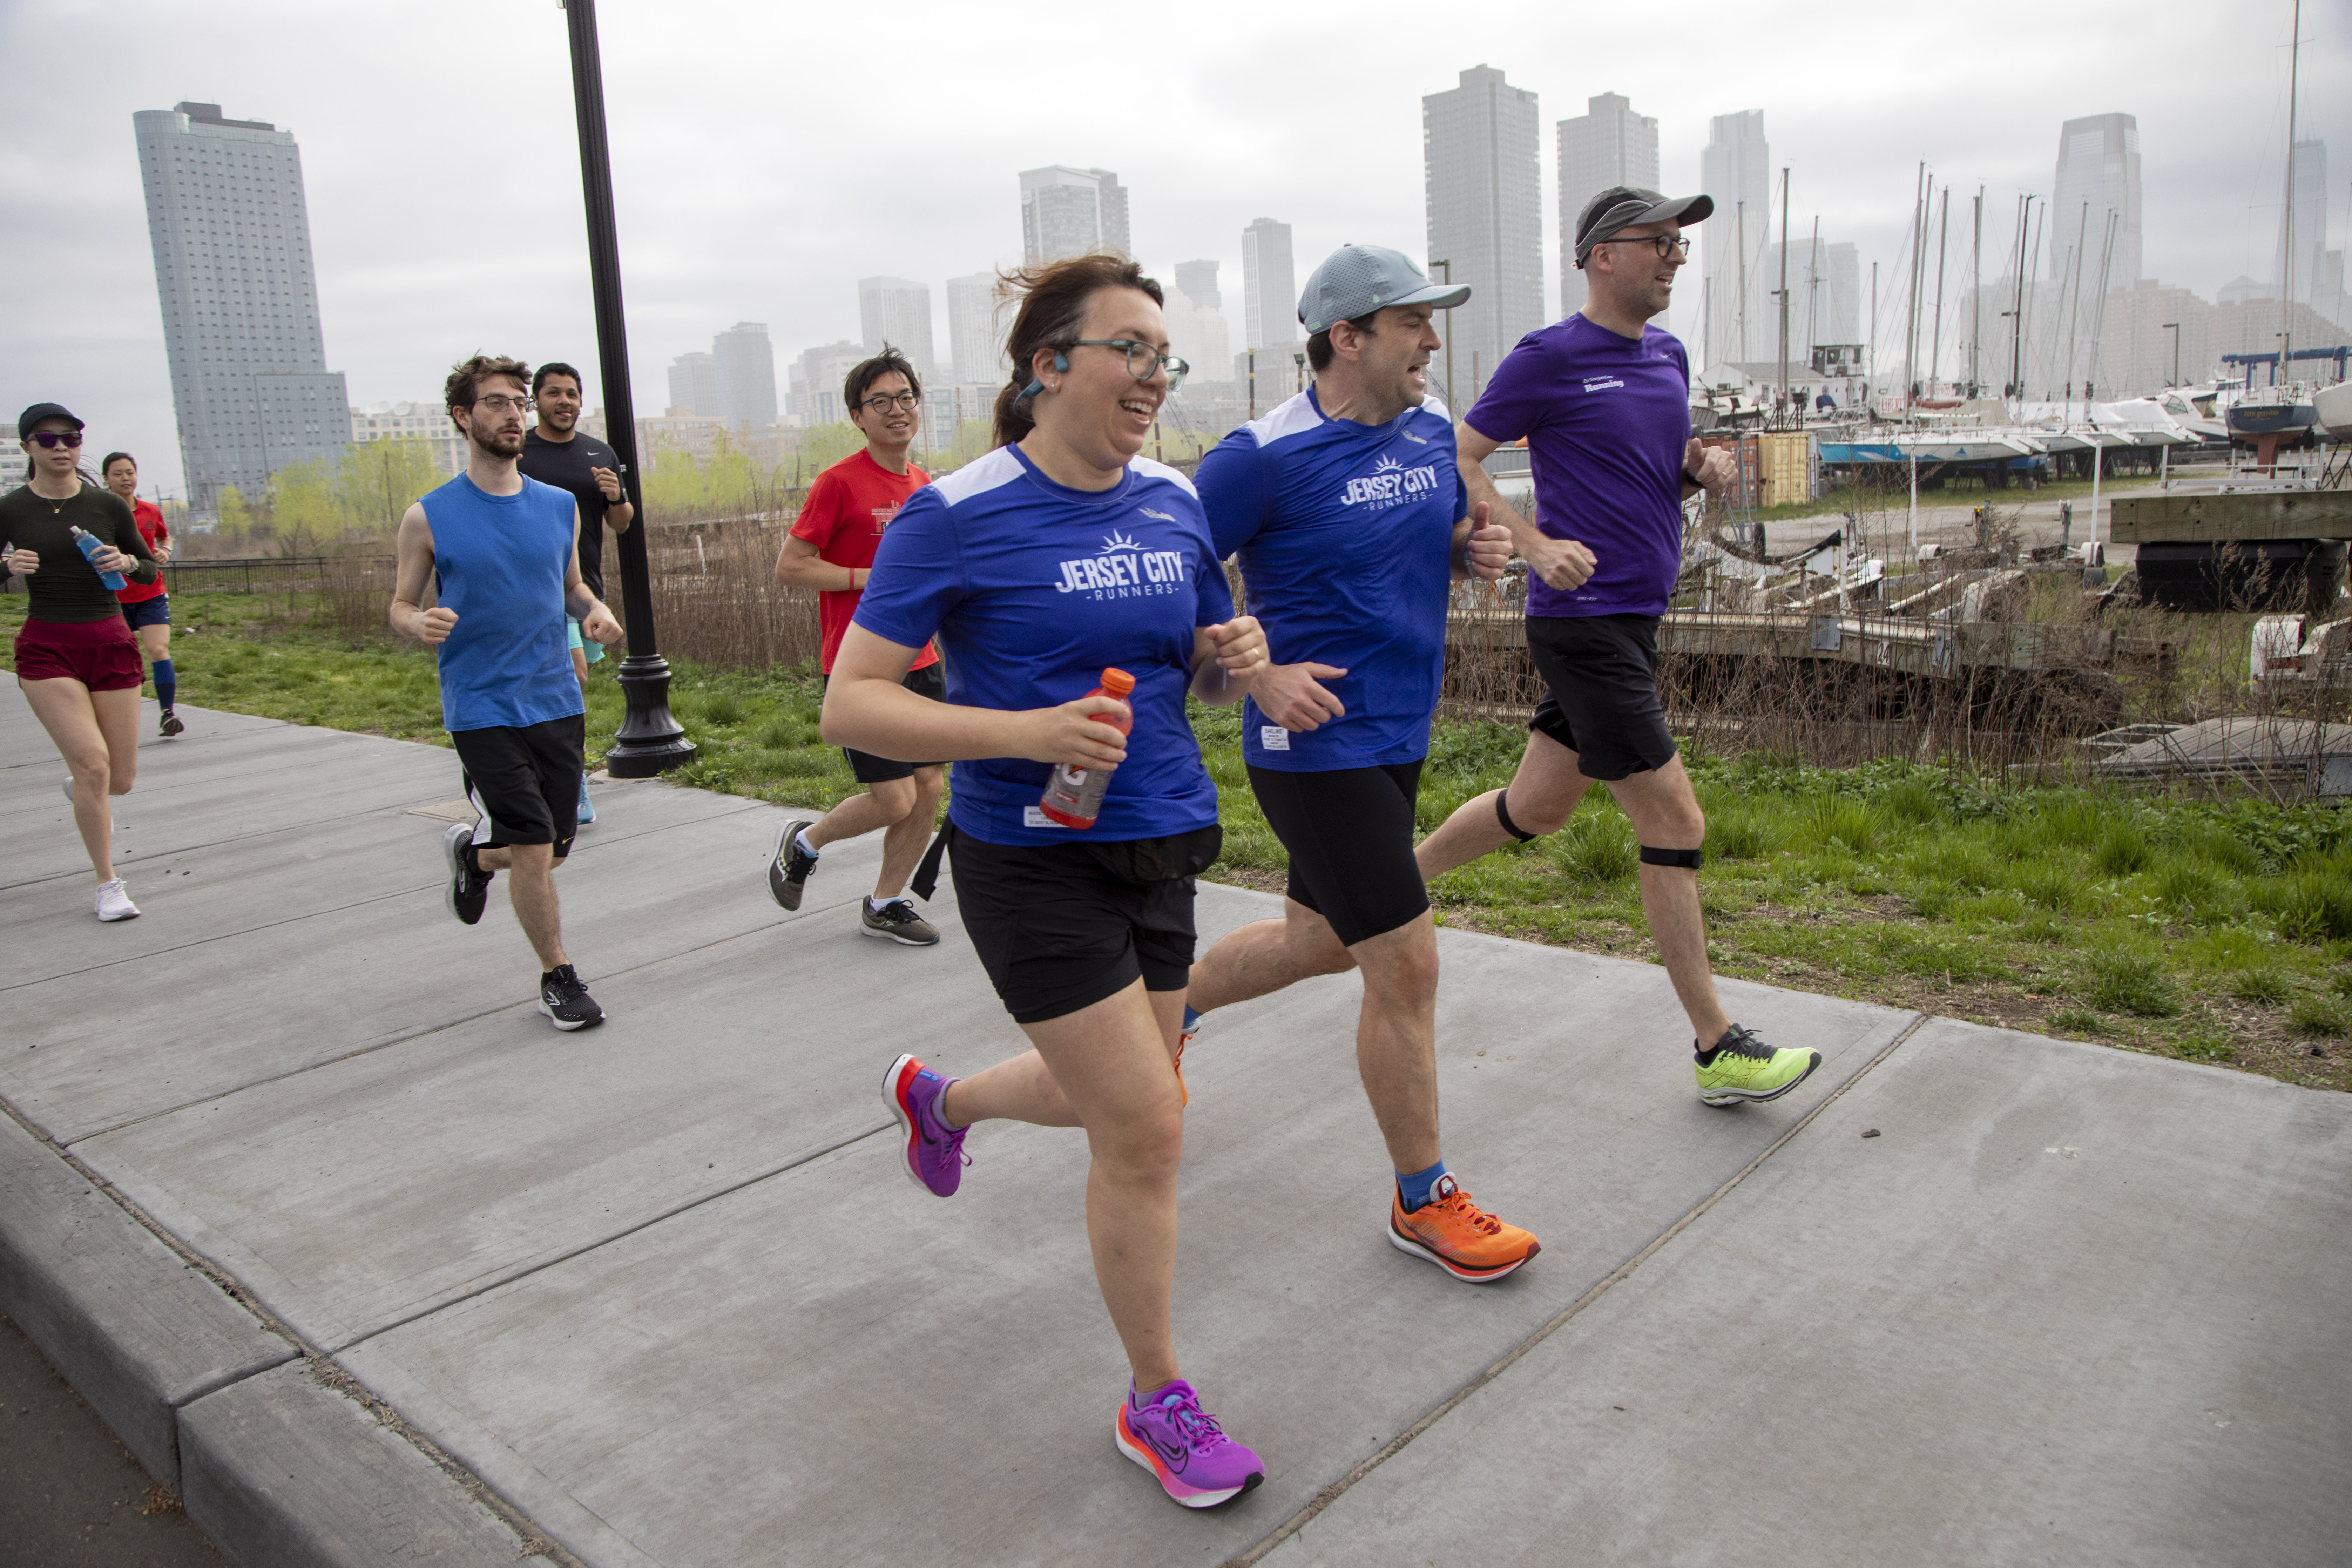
{"type": "Point", "coordinates": [1390, 483]}
{"type": "Point", "coordinates": [1123, 569]}
{"type": "Point", "coordinates": [882, 516]}
{"type": "Point", "coordinates": [1162, 516]}
{"type": "Point", "coordinates": [1600, 382]}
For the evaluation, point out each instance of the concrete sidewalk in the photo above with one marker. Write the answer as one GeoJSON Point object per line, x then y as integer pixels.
{"type": "Point", "coordinates": [656, 1292]}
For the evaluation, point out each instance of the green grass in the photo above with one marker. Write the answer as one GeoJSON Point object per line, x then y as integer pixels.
{"type": "Point", "coordinates": [2200, 929]}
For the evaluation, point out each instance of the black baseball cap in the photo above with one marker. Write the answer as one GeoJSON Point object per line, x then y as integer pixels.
{"type": "Point", "coordinates": [40, 411]}
{"type": "Point", "coordinates": [1621, 207]}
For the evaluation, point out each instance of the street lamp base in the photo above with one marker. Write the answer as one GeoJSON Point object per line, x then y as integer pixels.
{"type": "Point", "coordinates": [649, 742]}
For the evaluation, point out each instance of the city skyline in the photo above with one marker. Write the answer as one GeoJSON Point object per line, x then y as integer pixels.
{"type": "Point", "coordinates": [724, 214]}
{"type": "Point", "coordinates": [1608, 144]}
{"type": "Point", "coordinates": [1484, 217]}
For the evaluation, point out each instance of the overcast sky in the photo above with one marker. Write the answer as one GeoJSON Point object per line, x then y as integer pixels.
{"type": "Point", "coordinates": [767, 156]}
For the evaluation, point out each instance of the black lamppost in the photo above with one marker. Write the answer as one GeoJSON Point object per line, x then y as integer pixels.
{"type": "Point", "coordinates": [648, 740]}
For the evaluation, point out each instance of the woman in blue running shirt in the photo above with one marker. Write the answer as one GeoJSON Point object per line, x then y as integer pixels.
{"type": "Point", "coordinates": [1060, 553]}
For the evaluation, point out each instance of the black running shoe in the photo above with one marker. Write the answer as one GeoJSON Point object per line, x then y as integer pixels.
{"type": "Point", "coordinates": [469, 888]}
{"type": "Point", "coordinates": [565, 1000]}
{"type": "Point", "coordinates": [897, 920]}
{"type": "Point", "coordinates": [171, 725]}
{"type": "Point", "coordinates": [789, 867]}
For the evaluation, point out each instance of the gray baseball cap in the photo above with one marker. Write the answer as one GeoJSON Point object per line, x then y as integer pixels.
{"type": "Point", "coordinates": [1621, 207]}
{"type": "Point", "coordinates": [1358, 279]}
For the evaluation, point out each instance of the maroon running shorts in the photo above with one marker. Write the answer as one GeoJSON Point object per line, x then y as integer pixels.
{"type": "Point", "coordinates": [101, 655]}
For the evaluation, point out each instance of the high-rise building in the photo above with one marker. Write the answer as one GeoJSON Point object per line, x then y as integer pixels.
{"type": "Point", "coordinates": [743, 369]}
{"type": "Point", "coordinates": [427, 422]}
{"type": "Point", "coordinates": [975, 336]}
{"type": "Point", "coordinates": [1269, 286]}
{"type": "Point", "coordinates": [1197, 330]}
{"type": "Point", "coordinates": [1070, 212]}
{"type": "Point", "coordinates": [2099, 170]}
{"type": "Point", "coordinates": [2302, 250]}
{"type": "Point", "coordinates": [1742, 323]}
{"type": "Point", "coordinates": [233, 270]}
{"type": "Point", "coordinates": [1484, 200]}
{"type": "Point", "coordinates": [897, 311]}
{"type": "Point", "coordinates": [694, 384]}
{"type": "Point", "coordinates": [817, 377]}
{"type": "Point", "coordinates": [1607, 145]}
{"type": "Point", "coordinates": [1199, 282]}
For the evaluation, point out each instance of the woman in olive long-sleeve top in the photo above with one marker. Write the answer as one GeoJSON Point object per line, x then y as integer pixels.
{"type": "Point", "coordinates": [77, 662]}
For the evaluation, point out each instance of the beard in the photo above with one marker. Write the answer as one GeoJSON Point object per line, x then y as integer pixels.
{"type": "Point", "coordinates": [499, 443]}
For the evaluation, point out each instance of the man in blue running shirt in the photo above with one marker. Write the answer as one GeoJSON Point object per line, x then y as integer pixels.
{"type": "Point", "coordinates": [1352, 523]}
{"type": "Point", "coordinates": [1602, 400]}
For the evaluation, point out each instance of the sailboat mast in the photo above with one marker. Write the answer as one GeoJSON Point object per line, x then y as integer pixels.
{"type": "Point", "coordinates": [1943, 251]}
{"type": "Point", "coordinates": [1975, 301]}
{"type": "Point", "coordinates": [1784, 287]}
{"type": "Point", "coordinates": [2017, 316]}
{"type": "Point", "coordinates": [2074, 293]}
{"type": "Point", "coordinates": [1911, 300]}
{"type": "Point", "coordinates": [1742, 312]}
{"type": "Point", "coordinates": [2286, 268]}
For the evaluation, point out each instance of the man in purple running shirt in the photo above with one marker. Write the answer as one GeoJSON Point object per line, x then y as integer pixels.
{"type": "Point", "coordinates": [1602, 400]}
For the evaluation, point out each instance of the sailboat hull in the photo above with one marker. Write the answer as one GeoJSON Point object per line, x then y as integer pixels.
{"type": "Point", "coordinates": [2248, 420]}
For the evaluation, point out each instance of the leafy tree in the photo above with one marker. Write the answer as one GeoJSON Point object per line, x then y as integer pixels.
{"type": "Point", "coordinates": [379, 478]}
{"type": "Point", "coordinates": [236, 518]}
{"type": "Point", "coordinates": [304, 508]}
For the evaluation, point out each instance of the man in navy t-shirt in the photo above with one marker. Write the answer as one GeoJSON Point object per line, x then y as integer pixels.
{"type": "Point", "coordinates": [1602, 400]}
{"type": "Point", "coordinates": [1351, 523]}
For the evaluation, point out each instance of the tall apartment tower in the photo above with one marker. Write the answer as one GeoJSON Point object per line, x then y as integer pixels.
{"type": "Point", "coordinates": [1198, 281]}
{"type": "Point", "coordinates": [897, 311]}
{"type": "Point", "coordinates": [1484, 200]}
{"type": "Point", "coordinates": [2098, 172]}
{"type": "Point", "coordinates": [2302, 264]}
{"type": "Point", "coordinates": [240, 297]}
{"type": "Point", "coordinates": [694, 384]}
{"type": "Point", "coordinates": [743, 365]}
{"type": "Point", "coordinates": [1196, 327]}
{"type": "Point", "coordinates": [1070, 212]}
{"type": "Point", "coordinates": [975, 338]}
{"type": "Point", "coordinates": [1735, 169]}
{"type": "Point", "coordinates": [1608, 145]}
{"type": "Point", "coordinates": [1269, 286]}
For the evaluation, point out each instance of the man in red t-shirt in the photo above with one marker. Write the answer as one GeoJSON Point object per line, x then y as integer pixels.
{"type": "Point", "coordinates": [146, 605]}
{"type": "Point", "coordinates": [831, 549]}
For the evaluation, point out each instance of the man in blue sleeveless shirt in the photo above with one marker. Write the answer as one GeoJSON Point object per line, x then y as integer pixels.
{"type": "Point", "coordinates": [1351, 523]}
{"type": "Point", "coordinates": [502, 554]}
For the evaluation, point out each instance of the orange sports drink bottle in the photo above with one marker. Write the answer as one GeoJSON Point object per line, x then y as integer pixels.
{"type": "Point", "coordinates": [1073, 796]}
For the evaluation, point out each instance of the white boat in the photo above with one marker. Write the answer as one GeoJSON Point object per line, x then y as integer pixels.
{"type": "Point", "coordinates": [2333, 405]}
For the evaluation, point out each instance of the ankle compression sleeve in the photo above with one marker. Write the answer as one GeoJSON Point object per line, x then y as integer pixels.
{"type": "Point", "coordinates": [167, 683]}
{"type": "Point", "coordinates": [1503, 815]}
{"type": "Point", "coordinates": [1689, 859]}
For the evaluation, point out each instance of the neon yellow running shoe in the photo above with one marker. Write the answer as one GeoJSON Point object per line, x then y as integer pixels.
{"type": "Point", "coordinates": [1745, 1069]}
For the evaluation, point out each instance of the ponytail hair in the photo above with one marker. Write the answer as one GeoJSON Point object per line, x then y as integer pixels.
{"type": "Point", "coordinates": [1055, 298]}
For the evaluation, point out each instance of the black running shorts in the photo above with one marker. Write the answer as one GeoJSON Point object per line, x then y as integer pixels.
{"type": "Point", "coordinates": [1349, 834]}
{"type": "Point", "coordinates": [1059, 929]}
{"type": "Point", "coordinates": [930, 681]}
{"type": "Point", "coordinates": [1600, 675]}
{"type": "Point", "coordinates": [524, 781]}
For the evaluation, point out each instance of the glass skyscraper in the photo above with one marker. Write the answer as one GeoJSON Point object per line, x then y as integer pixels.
{"type": "Point", "coordinates": [1485, 201]}
{"type": "Point", "coordinates": [240, 300]}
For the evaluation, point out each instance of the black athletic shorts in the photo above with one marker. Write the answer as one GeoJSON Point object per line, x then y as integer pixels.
{"type": "Point", "coordinates": [930, 681]}
{"type": "Point", "coordinates": [524, 781]}
{"type": "Point", "coordinates": [1600, 675]}
{"type": "Point", "coordinates": [1059, 927]}
{"type": "Point", "coordinates": [1349, 834]}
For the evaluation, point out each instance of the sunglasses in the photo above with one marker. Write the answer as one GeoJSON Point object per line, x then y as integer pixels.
{"type": "Point", "coordinates": [53, 439]}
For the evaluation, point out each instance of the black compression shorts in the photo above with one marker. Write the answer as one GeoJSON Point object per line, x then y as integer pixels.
{"type": "Point", "coordinates": [1600, 673]}
{"type": "Point", "coordinates": [1349, 834]}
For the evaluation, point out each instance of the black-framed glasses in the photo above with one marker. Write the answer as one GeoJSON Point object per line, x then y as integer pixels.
{"type": "Point", "coordinates": [1143, 361]}
{"type": "Point", "coordinates": [498, 403]}
{"type": "Point", "coordinates": [1670, 247]}
{"type": "Point", "coordinates": [53, 439]}
{"type": "Point", "coordinates": [883, 402]}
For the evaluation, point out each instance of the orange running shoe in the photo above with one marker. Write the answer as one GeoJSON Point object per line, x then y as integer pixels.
{"type": "Point", "coordinates": [1458, 1235]}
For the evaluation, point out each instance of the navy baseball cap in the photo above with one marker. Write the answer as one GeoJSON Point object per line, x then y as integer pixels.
{"type": "Point", "coordinates": [40, 411]}
{"type": "Point", "coordinates": [1358, 279]}
{"type": "Point", "coordinates": [1621, 207]}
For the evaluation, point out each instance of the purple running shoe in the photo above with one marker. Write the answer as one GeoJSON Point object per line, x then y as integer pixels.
{"type": "Point", "coordinates": [1168, 1433]}
{"type": "Point", "coordinates": [935, 1156]}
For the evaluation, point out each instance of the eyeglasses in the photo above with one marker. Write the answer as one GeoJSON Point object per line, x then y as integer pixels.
{"type": "Point", "coordinates": [883, 402]}
{"type": "Point", "coordinates": [53, 439]}
{"type": "Point", "coordinates": [498, 403]}
{"type": "Point", "coordinates": [1143, 361]}
{"type": "Point", "coordinates": [1669, 246]}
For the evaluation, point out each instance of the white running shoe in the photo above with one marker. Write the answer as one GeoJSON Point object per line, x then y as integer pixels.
{"type": "Point", "coordinates": [114, 901]}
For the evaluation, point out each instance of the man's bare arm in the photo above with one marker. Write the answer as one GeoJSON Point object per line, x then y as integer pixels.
{"type": "Point", "coordinates": [414, 548]}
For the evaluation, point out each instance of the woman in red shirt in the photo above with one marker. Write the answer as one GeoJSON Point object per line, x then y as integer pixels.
{"type": "Point", "coordinates": [146, 605]}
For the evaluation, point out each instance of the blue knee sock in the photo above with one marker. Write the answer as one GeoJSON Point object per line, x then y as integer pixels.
{"type": "Point", "coordinates": [1412, 1188]}
{"type": "Point", "coordinates": [1192, 1017]}
{"type": "Point", "coordinates": [167, 685]}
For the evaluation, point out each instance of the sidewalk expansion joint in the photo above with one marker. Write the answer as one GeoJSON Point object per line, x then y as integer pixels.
{"type": "Point", "coordinates": [501, 1281]}
{"type": "Point", "coordinates": [320, 1367]}
{"type": "Point", "coordinates": [1396, 1445]}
